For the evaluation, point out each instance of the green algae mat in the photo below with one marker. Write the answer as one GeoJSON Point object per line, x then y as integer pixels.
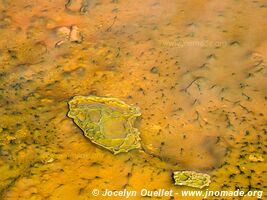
{"type": "Point", "coordinates": [107, 122]}
{"type": "Point", "coordinates": [191, 179]}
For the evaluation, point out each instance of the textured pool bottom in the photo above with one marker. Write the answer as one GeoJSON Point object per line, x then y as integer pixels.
{"type": "Point", "coordinates": [203, 104]}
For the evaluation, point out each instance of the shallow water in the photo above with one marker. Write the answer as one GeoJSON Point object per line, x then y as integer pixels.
{"type": "Point", "coordinates": [196, 69]}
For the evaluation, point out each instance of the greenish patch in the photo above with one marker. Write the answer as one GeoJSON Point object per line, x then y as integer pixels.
{"type": "Point", "coordinates": [107, 122]}
{"type": "Point", "coordinates": [191, 179]}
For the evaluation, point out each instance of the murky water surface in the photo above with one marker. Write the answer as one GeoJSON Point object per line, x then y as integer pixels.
{"type": "Point", "coordinates": [196, 69]}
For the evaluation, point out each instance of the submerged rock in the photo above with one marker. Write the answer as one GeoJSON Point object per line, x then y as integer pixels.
{"type": "Point", "coordinates": [71, 34]}
{"type": "Point", "coordinates": [107, 122]}
{"type": "Point", "coordinates": [77, 6]}
{"type": "Point", "coordinates": [63, 32]}
{"type": "Point", "coordinates": [191, 179]}
{"type": "Point", "coordinates": [75, 35]}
